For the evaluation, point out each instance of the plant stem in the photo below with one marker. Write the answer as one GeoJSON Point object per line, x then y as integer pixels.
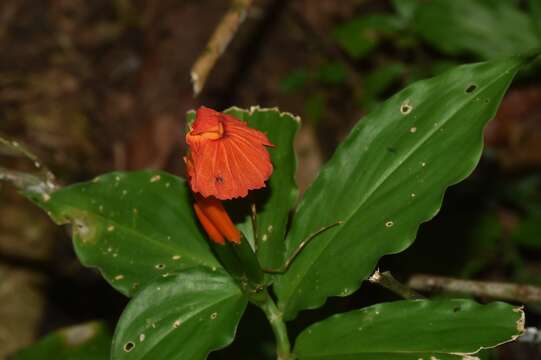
{"type": "Point", "coordinates": [283, 349]}
{"type": "Point", "coordinates": [387, 280]}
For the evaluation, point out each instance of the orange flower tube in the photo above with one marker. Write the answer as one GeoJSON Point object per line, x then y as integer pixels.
{"type": "Point", "coordinates": [215, 220]}
{"type": "Point", "coordinates": [213, 233]}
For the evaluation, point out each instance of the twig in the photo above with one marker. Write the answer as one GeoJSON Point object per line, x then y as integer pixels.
{"type": "Point", "coordinates": [497, 290]}
{"type": "Point", "coordinates": [220, 39]}
{"type": "Point", "coordinates": [387, 280]}
{"type": "Point", "coordinates": [19, 149]}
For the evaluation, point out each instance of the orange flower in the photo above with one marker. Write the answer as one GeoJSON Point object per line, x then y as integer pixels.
{"type": "Point", "coordinates": [215, 221]}
{"type": "Point", "coordinates": [226, 157]}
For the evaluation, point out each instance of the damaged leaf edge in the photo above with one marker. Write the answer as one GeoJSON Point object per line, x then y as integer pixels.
{"type": "Point", "coordinates": [520, 329]}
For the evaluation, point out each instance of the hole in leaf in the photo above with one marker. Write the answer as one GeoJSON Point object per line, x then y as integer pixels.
{"type": "Point", "coordinates": [471, 88]}
{"type": "Point", "coordinates": [129, 346]}
{"type": "Point", "coordinates": [406, 108]}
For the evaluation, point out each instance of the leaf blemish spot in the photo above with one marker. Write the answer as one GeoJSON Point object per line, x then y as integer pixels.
{"type": "Point", "coordinates": [119, 277]}
{"type": "Point", "coordinates": [389, 224]}
{"type": "Point", "coordinates": [176, 324]}
{"type": "Point", "coordinates": [413, 195]}
{"type": "Point", "coordinates": [155, 178]}
{"type": "Point", "coordinates": [129, 346]}
{"type": "Point", "coordinates": [159, 266]}
{"type": "Point", "coordinates": [176, 257]}
{"type": "Point", "coordinates": [413, 129]}
{"type": "Point", "coordinates": [213, 316]}
{"type": "Point", "coordinates": [111, 228]}
{"type": "Point", "coordinates": [406, 107]}
{"type": "Point", "coordinates": [142, 337]}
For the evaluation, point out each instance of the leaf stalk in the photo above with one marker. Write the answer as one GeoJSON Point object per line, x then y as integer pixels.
{"type": "Point", "coordinates": [274, 315]}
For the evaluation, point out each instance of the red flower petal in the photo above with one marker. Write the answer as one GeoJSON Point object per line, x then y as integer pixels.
{"type": "Point", "coordinates": [227, 158]}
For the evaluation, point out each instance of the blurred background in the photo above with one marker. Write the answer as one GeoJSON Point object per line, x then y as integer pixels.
{"type": "Point", "coordinates": [102, 85]}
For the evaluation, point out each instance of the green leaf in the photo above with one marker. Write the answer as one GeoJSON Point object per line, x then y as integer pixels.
{"type": "Point", "coordinates": [535, 14]}
{"type": "Point", "coordinates": [405, 8]}
{"type": "Point", "coordinates": [294, 80]}
{"type": "Point", "coordinates": [387, 178]}
{"type": "Point", "coordinates": [315, 107]}
{"type": "Point", "coordinates": [90, 341]}
{"type": "Point", "coordinates": [276, 200]}
{"type": "Point", "coordinates": [379, 79]}
{"type": "Point", "coordinates": [358, 37]}
{"type": "Point", "coordinates": [180, 317]}
{"type": "Point", "coordinates": [526, 232]}
{"type": "Point", "coordinates": [133, 227]}
{"type": "Point", "coordinates": [411, 329]}
{"type": "Point", "coordinates": [332, 73]}
{"type": "Point", "coordinates": [486, 28]}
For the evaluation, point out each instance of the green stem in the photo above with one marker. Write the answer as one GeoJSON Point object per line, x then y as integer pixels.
{"type": "Point", "coordinates": [283, 349]}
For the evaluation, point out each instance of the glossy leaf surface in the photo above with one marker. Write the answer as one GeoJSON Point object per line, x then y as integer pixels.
{"type": "Point", "coordinates": [411, 330]}
{"type": "Point", "coordinates": [387, 178]}
{"type": "Point", "coordinates": [133, 227]}
{"type": "Point", "coordinates": [183, 316]}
